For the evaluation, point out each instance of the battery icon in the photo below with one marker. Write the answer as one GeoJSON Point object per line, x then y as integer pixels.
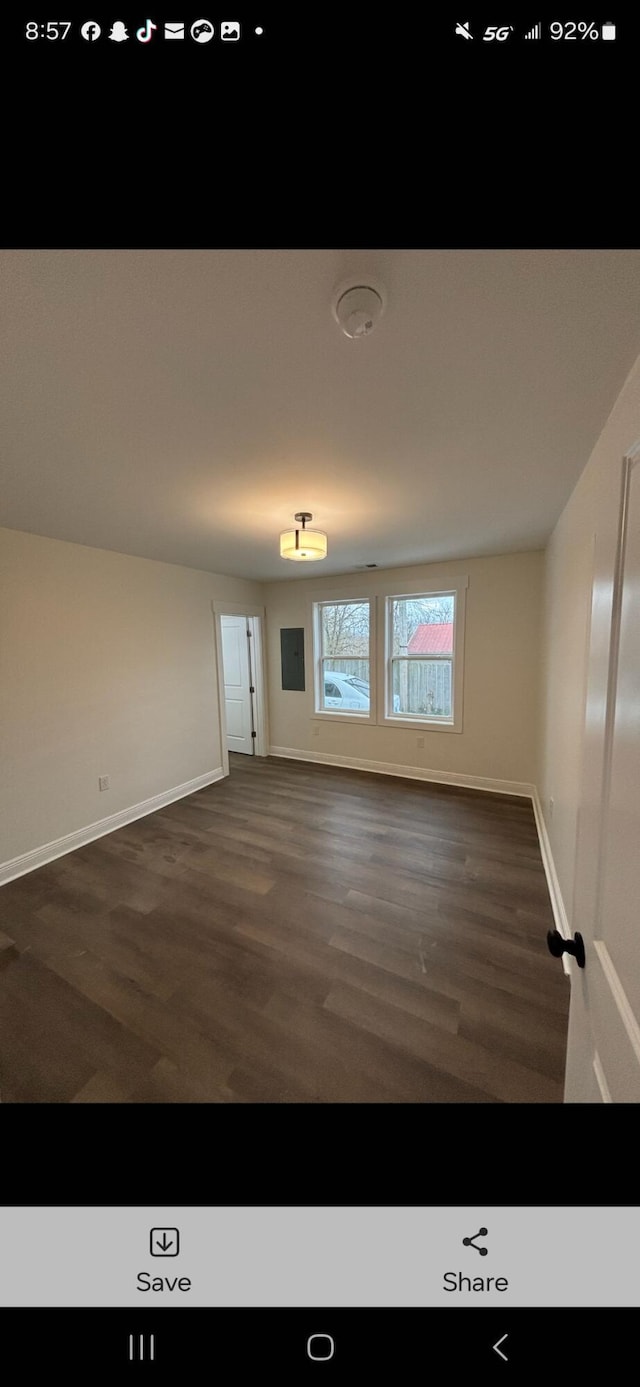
{"type": "Point", "coordinates": [608, 31]}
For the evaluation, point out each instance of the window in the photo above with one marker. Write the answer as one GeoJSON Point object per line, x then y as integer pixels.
{"type": "Point", "coordinates": [393, 660]}
{"type": "Point", "coordinates": [342, 644]}
{"type": "Point", "coordinates": [421, 648]}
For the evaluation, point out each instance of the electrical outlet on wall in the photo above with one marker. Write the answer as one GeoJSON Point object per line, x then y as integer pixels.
{"type": "Point", "coordinates": [103, 782]}
{"type": "Point", "coordinates": [316, 731]}
{"type": "Point", "coordinates": [420, 741]}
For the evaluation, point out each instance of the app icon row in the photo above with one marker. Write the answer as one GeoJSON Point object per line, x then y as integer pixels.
{"type": "Point", "coordinates": [201, 31]}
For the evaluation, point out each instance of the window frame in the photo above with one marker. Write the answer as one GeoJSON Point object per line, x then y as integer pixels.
{"type": "Point", "coordinates": [342, 714]}
{"type": "Point", "coordinates": [387, 717]}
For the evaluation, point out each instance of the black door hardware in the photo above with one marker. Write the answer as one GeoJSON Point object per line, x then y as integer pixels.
{"type": "Point", "coordinates": [559, 946]}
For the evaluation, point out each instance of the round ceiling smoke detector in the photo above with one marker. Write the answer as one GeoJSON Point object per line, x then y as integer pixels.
{"type": "Point", "coordinates": [357, 310]}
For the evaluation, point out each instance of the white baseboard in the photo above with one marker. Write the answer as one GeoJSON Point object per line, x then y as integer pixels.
{"type": "Point", "coordinates": [557, 904]}
{"type": "Point", "coordinates": [38, 857]}
{"type": "Point", "coordinates": [469, 782]}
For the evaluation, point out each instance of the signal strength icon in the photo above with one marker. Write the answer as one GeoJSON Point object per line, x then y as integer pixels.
{"type": "Point", "coordinates": [535, 33]}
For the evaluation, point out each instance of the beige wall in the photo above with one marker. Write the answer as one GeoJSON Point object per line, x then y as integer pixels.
{"type": "Point", "coordinates": [106, 667]}
{"type": "Point", "coordinates": [501, 694]}
{"type": "Point", "coordinates": [567, 606]}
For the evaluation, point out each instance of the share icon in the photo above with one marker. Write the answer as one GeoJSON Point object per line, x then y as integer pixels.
{"type": "Point", "coordinates": [471, 1242]}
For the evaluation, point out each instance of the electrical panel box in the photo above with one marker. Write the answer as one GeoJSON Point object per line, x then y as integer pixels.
{"type": "Point", "coordinates": [292, 654]}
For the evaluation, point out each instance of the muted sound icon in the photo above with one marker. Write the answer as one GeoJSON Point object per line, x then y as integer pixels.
{"type": "Point", "coordinates": [471, 1242]}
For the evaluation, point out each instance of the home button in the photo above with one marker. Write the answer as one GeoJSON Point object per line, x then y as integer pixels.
{"type": "Point", "coordinates": [320, 1347]}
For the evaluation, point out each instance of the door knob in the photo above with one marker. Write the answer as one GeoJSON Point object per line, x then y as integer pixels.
{"type": "Point", "coordinates": [559, 946]}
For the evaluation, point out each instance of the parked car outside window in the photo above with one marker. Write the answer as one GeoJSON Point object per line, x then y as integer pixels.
{"type": "Point", "coordinates": [347, 691]}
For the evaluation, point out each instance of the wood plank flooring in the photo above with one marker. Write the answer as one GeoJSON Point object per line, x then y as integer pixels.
{"type": "Point", "coordinates": [294, 934]}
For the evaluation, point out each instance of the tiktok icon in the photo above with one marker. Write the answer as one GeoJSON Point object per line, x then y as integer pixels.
{"type": "Point", "coordinates": [145, 34]}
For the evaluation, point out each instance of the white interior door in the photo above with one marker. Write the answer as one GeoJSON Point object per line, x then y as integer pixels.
{"type": "Point", "coordinates": [603, 1058]}
{"type": "Point", "coordinates": [237, 683]}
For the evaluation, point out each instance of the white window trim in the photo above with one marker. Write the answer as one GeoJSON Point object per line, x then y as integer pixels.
{"type": "Point", "coordinates": [387, 719]}
{"type": "Point", "coordinates": [379, 667]}
{"type": "Point", "coordinates": [341, 715]}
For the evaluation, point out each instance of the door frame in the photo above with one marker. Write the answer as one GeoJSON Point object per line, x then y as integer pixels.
{"type": "Point", "coordinates": [255, 624]}
{"type": "Point", "coordinates": [599, 708]}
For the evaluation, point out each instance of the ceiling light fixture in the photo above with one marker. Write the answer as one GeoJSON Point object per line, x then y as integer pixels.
{"type": "Point", "coordinates": [303, 545]}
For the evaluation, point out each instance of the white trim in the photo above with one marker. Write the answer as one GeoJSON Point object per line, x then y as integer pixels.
{"type": "Point", "coordinates": [560, 916]}
{"type": "Point", "coordinates": [222, 716]}
{"type": "Point", "coordinates": [628, 465]}
{"type": "Point", "coordinates": [385, 676]}
{"type": "Point", "coordinates": [601, 1081]}
{"type": "Point", "coordinates": [260, 685]}
{"type": "Point", "coordinates": [341, 714]}
{"type": "Point", "coordinates": [619, 996]}
{"type": "Point", "coordinates": [236, 608]}
{"type": "Point", "coordinates": [424, 725]}
{"type": "Point", "coordinates": [380, 669]}
{"type": "Point", "coordinates": [38, 857]}
{"type": "Point", "coordinates": [470, 782]}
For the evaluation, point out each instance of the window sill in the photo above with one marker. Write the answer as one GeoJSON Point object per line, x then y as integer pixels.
{"type": "Point", "coordinates": [408, 724]}
{"type": "Point", "coordinates": [421, 724]}
{"type": "Point", "coordinates": [340, 716]}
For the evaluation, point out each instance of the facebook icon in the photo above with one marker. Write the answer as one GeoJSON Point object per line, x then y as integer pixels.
{"type": "Point", "coordinates": [90, 31]}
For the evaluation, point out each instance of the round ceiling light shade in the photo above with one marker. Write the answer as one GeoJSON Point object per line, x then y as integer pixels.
{"type": "Point", "coordinates": [303, 546]}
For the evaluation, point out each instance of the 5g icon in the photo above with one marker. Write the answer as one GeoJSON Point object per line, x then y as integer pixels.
{"type": "Point", "coordinates": [495, 32]}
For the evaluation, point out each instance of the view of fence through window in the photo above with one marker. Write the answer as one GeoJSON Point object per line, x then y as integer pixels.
{"type": "Point", "coordinates": [421, 641]}
{"type": "Point", "coordinates": [345, 656]}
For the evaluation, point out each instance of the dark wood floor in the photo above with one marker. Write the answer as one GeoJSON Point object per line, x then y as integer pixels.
{"type": "Point", "coordinates": [296, 933]}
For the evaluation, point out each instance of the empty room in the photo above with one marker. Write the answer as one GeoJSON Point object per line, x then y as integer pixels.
{"type": "Point", "coordinates": [319, 676]}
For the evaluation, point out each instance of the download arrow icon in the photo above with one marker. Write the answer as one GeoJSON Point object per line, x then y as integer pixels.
{"type": "Point", "coordinates": [165, 1242]}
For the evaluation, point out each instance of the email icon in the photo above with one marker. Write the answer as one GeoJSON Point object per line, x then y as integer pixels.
{"type": "Point", "coordinates": [174, 31]}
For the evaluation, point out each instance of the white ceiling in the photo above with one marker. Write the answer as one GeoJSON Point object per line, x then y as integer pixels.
{"type": "Point", "coordinates": [182, 405]}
